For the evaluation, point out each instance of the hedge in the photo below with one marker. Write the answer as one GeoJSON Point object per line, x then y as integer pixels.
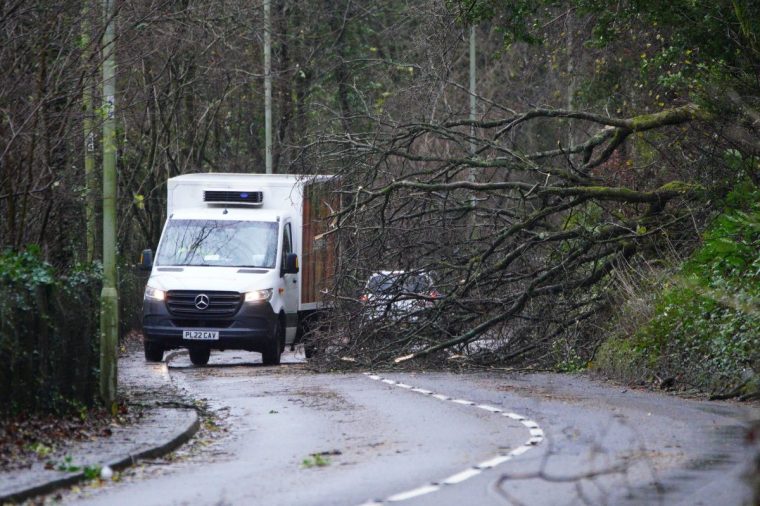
{"type": "Point", "coordinates": [49, 328]}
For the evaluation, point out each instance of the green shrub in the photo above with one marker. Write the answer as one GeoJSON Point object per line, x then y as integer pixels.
{"type": "Point", "coordinates": [48, 334]}
{"type": "Point", "coordinates": [705, 329]}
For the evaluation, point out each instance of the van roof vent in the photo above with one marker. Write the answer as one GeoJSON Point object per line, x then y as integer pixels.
{"type": "Point", "coordinates": [249, 198]}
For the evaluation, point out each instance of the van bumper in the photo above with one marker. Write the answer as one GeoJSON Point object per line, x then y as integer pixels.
{"type": "Point", "coordinates": [251, 328]}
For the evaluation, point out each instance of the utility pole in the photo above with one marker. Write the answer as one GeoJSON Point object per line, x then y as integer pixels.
{"type": "Point", "coordinates": [109, 298]}
{"type": "Point", "coordinates": [473, 100]}
{"type": "Point", "coordinates": [473, 145]}
{"type": "Point", "coordinates": [268, 86]}
{"type": "Point", "coordinates": [571, 85]}
{"type": "Point", "coordinates": [89, 138]}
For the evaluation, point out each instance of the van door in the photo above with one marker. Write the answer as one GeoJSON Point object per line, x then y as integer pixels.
{"type": "Point", "coordinates": [290, 285]}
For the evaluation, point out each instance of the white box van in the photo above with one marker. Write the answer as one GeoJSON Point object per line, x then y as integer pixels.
{"type": "Point", "coordinates": [242, 263]}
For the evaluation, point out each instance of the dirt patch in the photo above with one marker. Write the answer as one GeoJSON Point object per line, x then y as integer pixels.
{"type": "Point", "coordinates": [318, 398]}
{"type": "Point", "coordinates": [29, 439]}
{"type": "Point", "coordinates": [543, 393]}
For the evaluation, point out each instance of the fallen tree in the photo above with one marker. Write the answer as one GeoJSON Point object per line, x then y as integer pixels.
{"type": "Point", "coordinates": [521, 243]}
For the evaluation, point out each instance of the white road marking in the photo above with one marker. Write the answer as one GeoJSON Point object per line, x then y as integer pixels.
{"type": "Point", "coordinates": [462, 476]}
{"type": "Point", "coordinates": [489, 408]}
{"type": "Point", "coordinates": [537, 436]}
{"type": "Point", "coordinates": [520, 450]}
{"type": "Point", "coordinates": [488, 464]}
{"type": "Point", "coordinates": [411, 494]}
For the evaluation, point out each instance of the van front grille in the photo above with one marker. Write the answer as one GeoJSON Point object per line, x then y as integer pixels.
{"type": "Point", "coordinates": [196, 304]}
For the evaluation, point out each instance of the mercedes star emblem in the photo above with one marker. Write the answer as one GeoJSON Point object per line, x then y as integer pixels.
{"type": "Point", "coordinates": [201, 301]}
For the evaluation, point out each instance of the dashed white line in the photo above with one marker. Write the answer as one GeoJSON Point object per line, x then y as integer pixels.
{"type": "Point", "coordinates": [537, 436]}
{"type": "Point", "coordinates": [489, 408]}
{"type": "Point", "coordinates": [462, 476]}
{"type": "Point", "coordinates": [520, 450]}
{"type": "Point", "coordinates": [411, 494]}
{"type": "Point", "coordinates": [488, 464]}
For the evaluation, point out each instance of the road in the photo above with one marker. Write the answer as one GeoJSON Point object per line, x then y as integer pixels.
{"type": "Point", "coordinates": [437, 439]}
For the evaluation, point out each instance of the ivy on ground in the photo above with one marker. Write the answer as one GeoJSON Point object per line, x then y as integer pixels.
{"type": "Point", "coordinates": [705, 331]}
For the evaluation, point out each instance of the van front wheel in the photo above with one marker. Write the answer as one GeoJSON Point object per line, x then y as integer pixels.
{"type": "Point", "coordinates": [270, 355]}
{"type": "Point", "coordinates": [153, 352]}
{"type": "Point", "coordinates": [199, 356]}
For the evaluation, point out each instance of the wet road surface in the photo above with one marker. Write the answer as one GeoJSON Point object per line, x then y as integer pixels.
{"type": "Point", "coordinates": [286, 436]}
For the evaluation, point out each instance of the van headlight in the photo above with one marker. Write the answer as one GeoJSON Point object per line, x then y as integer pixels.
{"type": "Point", "coordinates": [154, 293]}
{"type": "Point", "coordinates": [259, 295]}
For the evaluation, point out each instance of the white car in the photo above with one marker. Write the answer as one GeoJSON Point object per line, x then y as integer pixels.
{"type": "Point", "coordinates": [397, 295]}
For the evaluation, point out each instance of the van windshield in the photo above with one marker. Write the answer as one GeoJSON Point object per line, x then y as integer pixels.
{"type": "Point", "coordinates": [219, 243]}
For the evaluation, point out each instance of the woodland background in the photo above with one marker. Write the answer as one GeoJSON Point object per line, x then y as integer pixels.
{"type": "Point", "coordinates": [599, 211]}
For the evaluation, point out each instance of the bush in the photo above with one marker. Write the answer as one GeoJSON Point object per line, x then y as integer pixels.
{"type": "Point", "coordinates": [49, 326]}
{"type": "Point", "coordinates": [705, 329]}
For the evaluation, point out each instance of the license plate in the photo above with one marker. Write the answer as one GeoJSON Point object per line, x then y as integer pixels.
{"type": "Point", "coordinates": [201, 335]}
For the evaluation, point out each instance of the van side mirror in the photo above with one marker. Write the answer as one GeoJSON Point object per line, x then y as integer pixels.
{"type": "Point", "coordinates": [290, 266]}
{"type": "Point", "coordinates": [146, 260]}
